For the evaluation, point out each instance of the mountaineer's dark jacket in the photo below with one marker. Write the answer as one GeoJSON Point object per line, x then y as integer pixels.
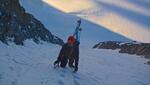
{"type": "Point", "coordinates": [70, 53]}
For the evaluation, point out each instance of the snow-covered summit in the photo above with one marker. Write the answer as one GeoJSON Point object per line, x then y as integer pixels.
{"type": "Point", "coordinates": [130, 18]}
{"type": "Point", "coordinates": [63, 24]}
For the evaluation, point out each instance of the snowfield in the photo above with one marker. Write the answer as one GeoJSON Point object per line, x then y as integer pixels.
{"type": "Point", "coordinates": [62, 24]}
{"type": "Point", "coordinates": [32, 65]}
{"type": "Point", "coordinates": [130, 18]}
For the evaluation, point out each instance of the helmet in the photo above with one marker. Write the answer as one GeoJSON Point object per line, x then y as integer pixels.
{"type": "Point", "coordinates": [71, 40]}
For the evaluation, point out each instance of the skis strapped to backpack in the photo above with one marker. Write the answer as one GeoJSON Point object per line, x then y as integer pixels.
{"type": "Point", "coordinates": [76, 34]}
{"type": "Point", "coordinates": [78, 30]}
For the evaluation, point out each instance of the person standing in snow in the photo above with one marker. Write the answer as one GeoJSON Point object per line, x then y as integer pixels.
{"type": "Point", "coordinates": [70, 50]}
{"type": "Point", "coordinates": [69, 53]}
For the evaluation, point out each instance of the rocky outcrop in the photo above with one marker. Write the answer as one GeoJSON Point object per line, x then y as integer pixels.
{"type": "Point", "coordinates": [138, 49]}
{"type": "Point", "coordinates": [142, 49]}
{"type": "Point", "coordinates": [108, 45]}
{"type": "Point", "coordinates": [16, 25]}
{"type": "Point", "coordinates": [148, 62]}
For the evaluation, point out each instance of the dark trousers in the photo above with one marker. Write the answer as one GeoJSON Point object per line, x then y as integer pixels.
{"type": "Point", "coordinates": [63, 62]}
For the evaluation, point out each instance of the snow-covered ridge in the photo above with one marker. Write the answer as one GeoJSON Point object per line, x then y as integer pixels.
{"type": "Point", "coordinates": [133, 48]}
{"type": "Point", "coordinates": [130, 18]}
{"type": "Point", "coordinates": [70, 5]}
{"type": "Point", "coordinates": [63, 24]}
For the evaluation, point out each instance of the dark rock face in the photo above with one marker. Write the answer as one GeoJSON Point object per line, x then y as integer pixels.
{"type": "Point", "coordinates": [16, 25]}
{"type": "Point", "coordinates": [142, 49]}
{"type": "Point", "coordinates": [108, 45]}
{"type": "Point", "coordinates": [138, 49]}
{"type": "Point", "coordinates": [148, 62]}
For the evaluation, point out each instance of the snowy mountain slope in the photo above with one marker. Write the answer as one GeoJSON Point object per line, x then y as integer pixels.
{"type": "Point", "coordinates": [31, 64]}
{"type": "Point", "coordinates": [63, 24]}
{"type": "Point", "coordinates": [130, 18]}
{"type": "Point", "coordinates": [22, 66]}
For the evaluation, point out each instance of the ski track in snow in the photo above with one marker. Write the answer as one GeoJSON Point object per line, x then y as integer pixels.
{"type": "Point", "coordinates": [22, 66]}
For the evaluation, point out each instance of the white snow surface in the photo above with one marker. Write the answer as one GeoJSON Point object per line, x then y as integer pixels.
{"type": "Point", "coordinates": [130, 18]}
{"type": "Point", "coordinates": [63, 24]}
{"type": "Point", "coordinates": [32, 64]}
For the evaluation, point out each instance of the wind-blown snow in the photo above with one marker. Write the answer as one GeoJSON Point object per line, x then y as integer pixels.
{"type": "Point", "coordinates": [63, 25]}
{"type": "Point", "coordinates": [130, 18]}
{"type": "Point", "coordinates": [22, 66]}
{"type": "Point", "coordinates": [74, 5]}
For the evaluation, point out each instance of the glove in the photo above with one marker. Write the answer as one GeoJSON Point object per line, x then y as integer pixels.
{"type": "Point", "coordinates": [75, 70]}
{"type": "Point", "coordinates": [56, 64]}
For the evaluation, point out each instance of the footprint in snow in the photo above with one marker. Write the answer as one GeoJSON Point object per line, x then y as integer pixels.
{"type": "Point", "coordinates": [62, 75]}
{"type": "Point", "coordinates": [60, 82]}
{"type": "Point", "coordinates": [77, 77]}
{"type": "Point", "coordinates": [1, 76]}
